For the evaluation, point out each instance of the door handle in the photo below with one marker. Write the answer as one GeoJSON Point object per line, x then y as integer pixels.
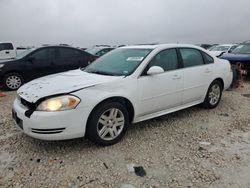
{"type": "Point", "coordinates": [176, 77]}
{"type": "Point", "coordinates": [7, 52]}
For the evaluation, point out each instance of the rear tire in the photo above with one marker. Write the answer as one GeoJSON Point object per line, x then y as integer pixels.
{"type": "Point", "coordinates": [213, 96]}
{"type": "Point", "coordinates": [107, 123]}
{"type": "Point", "coordinates": [12, 81]}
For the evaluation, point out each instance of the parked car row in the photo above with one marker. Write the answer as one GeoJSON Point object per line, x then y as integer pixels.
{"type": "Point", "coordinates": [127, 85]}
{"type": "Point", "coordinates": [234, 53]}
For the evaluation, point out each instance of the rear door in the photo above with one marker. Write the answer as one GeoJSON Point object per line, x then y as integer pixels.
{"type": "Point", "coordinates": [7, 51]}
{"type": "Point", "coordinates": [197, 74]}
{"type": "Point", "coordinates": [161, 91]}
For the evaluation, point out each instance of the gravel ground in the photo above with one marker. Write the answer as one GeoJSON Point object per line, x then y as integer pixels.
{"type": "Point", "coordinates": [190, 148]}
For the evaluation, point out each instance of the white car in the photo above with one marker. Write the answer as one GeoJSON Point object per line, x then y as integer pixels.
{"type": "Point", "coordinates": [220, 49]}
{"type": "Point", "coordinates": [7, 51]}
{"type": "Point", "coordinates": [128, 85]}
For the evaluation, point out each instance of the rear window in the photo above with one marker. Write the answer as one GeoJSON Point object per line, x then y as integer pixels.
{"type": "Point", "coordinates": [6, 46]}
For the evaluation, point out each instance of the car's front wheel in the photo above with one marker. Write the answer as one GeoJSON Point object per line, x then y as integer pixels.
{"type": "Point", "coordinates": [12, 81]}
{"type": "Point", "coordinates": [213, 96]}
{"type": "Point", "coordinates": [107, 123]}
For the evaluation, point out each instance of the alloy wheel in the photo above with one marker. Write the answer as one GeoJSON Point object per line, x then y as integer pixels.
{"type": "Point", "coordinates": [214, 94]}
{"type": "Point", "coordinates": [110, 124]}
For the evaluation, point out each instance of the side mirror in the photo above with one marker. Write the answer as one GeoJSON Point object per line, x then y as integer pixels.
{"type": "Point", "coordinates": [155, 70]}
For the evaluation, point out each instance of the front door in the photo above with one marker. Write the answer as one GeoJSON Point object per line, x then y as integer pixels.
{"type": "Point", "coordinates": [161, 91]}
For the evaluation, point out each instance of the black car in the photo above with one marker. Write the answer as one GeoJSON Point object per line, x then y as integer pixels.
{"type": "Point", "coordinates": [35, 63]}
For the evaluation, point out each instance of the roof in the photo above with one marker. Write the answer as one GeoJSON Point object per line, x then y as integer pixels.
{"type": "Point", "coordinates": [173, 45]}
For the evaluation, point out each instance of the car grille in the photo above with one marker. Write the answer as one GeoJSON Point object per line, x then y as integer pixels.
{"type": "Point", "coordinates": [47, 131]}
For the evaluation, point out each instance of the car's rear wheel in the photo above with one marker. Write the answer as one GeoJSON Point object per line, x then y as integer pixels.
{"type": "Point", "coordinates": [107, 123]}
{"type": "Point", "coordinates": [213, 96]}
{"type": "Point", "coordinates": [12, 81]}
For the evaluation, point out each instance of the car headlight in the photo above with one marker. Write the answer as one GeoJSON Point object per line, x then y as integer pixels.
{"type": "Point", "coordinates": [1, 66]}
{"type": "Point", "coordinates": [61, 103]}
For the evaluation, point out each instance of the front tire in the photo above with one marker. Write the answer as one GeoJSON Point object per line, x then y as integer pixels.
{"type": "Point", "coordinates": [107, 123]}
{"type": "Point", "coordinates": [12, 81]}
{"type": "Point", "coordinates": [213, 96]}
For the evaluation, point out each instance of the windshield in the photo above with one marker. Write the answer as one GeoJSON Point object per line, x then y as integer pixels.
{"type": "Point", "coordinates": [119, 62]}
{"type": "Point", "coordinates": [220, 48]}
{"type": "Point", "coordinates": [24, 53]}
{"type": "Point", "coordinates": [242, 49]}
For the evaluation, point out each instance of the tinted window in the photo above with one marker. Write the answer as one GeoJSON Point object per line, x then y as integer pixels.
{"type": "Point", "coordinates": [6, 46]}
{"type": "Point", "coordinates": [208, 59]}
{"type": "Point", "coordinates": [166, 59]}
{"type": "Point", "coordinates": [44, 54]}
{"type": "Point", "coordinates": [191, 57]}
{"type": "Point", "coordinates": [68, 53]}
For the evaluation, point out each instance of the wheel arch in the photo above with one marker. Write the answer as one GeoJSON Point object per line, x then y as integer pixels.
{"type": "Point", "coordinates": [220, 80]}
{"type": "Point", "coordinates": [14, 71]}
{"type": "Point", "coordinates": [123, 100]}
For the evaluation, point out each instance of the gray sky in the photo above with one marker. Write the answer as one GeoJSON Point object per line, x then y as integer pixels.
{"type": "Point", "coordinates": [88, 22]}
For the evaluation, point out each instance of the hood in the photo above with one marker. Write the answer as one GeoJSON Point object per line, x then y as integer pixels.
{"type": "Point", "coordinates": [65, 82]}
{"type": "Point", "coordinates": [236, 57]}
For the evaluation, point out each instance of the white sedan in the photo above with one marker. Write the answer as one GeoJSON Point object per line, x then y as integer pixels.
{"type": "Point", "coordinates": [128, 85]}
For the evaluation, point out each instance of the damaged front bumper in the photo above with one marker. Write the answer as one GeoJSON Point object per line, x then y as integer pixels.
{"type": "Point", "coordinates": [50, 125]}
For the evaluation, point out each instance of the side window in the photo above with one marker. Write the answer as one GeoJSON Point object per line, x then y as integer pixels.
{"type": "Point", "coordinates": [44, 54]}
{"type": "Point", "coordinates": [68, 53]}
{"type": "Point", "coordinates": [6, 46]}
{"type": "Point", "coordinates": [207, 58]}
{"type": "Point", "coordinates": [166, 59]}
{"type": "Point", "coordinates": [1, 47]}
{"type": "Point", "coordinates": [191, 57]}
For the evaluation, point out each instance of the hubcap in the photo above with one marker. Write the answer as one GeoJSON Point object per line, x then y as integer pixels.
{"type": "Point", "coordinates": [214, 94]}
{"type": "Point", "coordinates": [13, 82]}
{"type": "Point", "coordinates": [110, 124]}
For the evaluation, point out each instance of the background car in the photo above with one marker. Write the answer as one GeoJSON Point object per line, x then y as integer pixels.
{"type": "Point", "coordinates": [205, 46]}
{"type": "Point", "coordinates": [99, 50]}
{"type": "Point", "coordinates": [240, 54]}
{"type": "Point", "coordinates": [221, 49]}
{"type": "Point", "coordinates": [7, 50]}
{"type": "Point", "coordinates": [128, 85]}
{"type": "Point", "coordinates": [34, 63]}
